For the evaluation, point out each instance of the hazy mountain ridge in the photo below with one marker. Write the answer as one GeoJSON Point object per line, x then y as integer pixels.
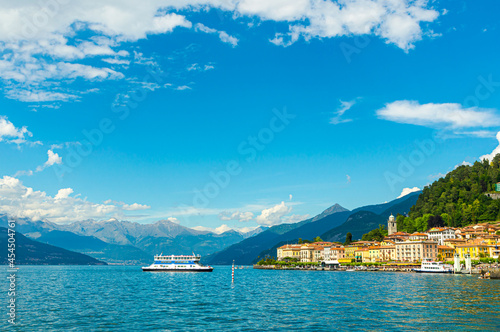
{"type": "Point", "coordinates": [31, 252]}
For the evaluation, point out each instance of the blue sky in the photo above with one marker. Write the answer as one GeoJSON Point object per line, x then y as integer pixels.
{"type": "Point", "coordinates": [362, 95]}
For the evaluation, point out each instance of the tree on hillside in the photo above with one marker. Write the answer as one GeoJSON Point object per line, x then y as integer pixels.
{"type": "Point", "coordinates": [300, 240]}
{"type": "Point", "coordinates": [377, 234]}
{"type": "Point", "coordinates": [318, 239]}
{"type": "Point", "coordinates": [348, 239]}
{"type": "Point", "coordinates": [459, 197]}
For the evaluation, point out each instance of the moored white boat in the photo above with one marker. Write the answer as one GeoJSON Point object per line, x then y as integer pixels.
{"type": "Point", "coordinates": [430, 266]}
{"type": "Point", "coordinates": [177, 263]}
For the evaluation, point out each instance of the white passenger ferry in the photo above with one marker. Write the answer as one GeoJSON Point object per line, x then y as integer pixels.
{"type": "Point", "coordinates": [174, 263]}
{"type": "Point", "coordinates": [429, 266]}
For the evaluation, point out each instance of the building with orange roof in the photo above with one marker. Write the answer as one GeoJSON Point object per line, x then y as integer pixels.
{"type": "Point", "coordinates": [416, 251]}
{"type": "Point", "coordinates": [475, 250]}
{"type": "Point", "coordinates": [388, 253]}
{"type": "Point", "coordinates": [445, 253]}
{"type": "Point", "coordinates": [288, 250]}
{"type": "Point", "coordinates": [440, 234]}
{"type": "Point", "coordinates": [418, 236]}
{"type": "Point", "coordinates": [362, 255]}
{"type": "Point", "coordinates": [374, 253]}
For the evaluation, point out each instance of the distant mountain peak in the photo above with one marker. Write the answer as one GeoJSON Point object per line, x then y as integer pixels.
{"type": "Point", "coordinates": [331, 210]}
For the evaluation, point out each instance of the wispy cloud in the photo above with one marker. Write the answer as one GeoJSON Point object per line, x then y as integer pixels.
{"type": "Point", "coordinates": [344, 107]}
{"type": "Point", "coordinates": [223, 36]}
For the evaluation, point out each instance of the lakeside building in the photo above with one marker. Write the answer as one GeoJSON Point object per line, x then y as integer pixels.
{"type": "Point", "coordinates": [416, 251]}
{"type": "Point", "coordinates": [476, 240]}
{"type": "Point", "coordinates": [440, 234]}
{"type": "Point", "coordinates": [453, 242]}
{"type": "Point", "coordinates": [288, 250]}
{"type": "Point", "coordinates": [475, 250]}
{"type": "Point", "coordinates": [387, 253]}
{"type": "Point", "coordinates": [374, 253]}
{"type": "Point", "coordinates": [334, 253]}
{"type": "Point", "coordinates": [418, 236]}
{"type": "Point", "coordinates": [398, 237]}
{"type": "Point", "coordinates": [445, 253]}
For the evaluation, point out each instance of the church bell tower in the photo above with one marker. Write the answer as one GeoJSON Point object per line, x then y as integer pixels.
{"type": "Point", "coordinates": [392, 225]}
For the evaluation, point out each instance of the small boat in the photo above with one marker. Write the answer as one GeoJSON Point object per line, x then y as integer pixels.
{"type": "Point", "coordinates": [430, 266]}
{"type": "Point", "coordinates": [177, 263]}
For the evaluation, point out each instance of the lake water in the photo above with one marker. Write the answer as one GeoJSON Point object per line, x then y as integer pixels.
{"type": "Point", "coordinates": [123, 298]}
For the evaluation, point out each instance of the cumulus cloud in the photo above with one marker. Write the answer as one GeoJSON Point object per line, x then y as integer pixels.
{"type": "Point", "coordinates": [344, 107]}
{"type": "Point", "coordinates": [21, 201]}
{"type": "Point", "coordinates": [494, 152]}
{"type": "Point", "coordinates": [53, 158]}
{"type": "Point", "coordinates": [63, 193]}
{"type": "Point", "coordinates": [236, 215]}
{"type": "Point", "coordinates": [12, 134]}
{"type": "Point", "coordinates": [407, 191]}
{"type": "Point", "coordinates": [452, 116]}
{"type": "Point", "coordinates": [274, 215]}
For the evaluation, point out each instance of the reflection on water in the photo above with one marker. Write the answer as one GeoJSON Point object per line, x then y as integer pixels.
{"type": "Point", "coordinates": [116, 298]}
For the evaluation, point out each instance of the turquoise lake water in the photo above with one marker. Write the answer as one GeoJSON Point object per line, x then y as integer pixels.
{"type": "Point", "coordinates": [123, 298]}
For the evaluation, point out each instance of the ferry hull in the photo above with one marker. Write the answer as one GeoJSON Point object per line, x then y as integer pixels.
{"type": "Point", "coordinates": [424, 271]}
{"type": "Point", "coordinates": [152, 269]}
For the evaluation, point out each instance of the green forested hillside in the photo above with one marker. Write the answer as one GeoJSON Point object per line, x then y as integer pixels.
{"type": "Point", "coordinates": [456, 200]}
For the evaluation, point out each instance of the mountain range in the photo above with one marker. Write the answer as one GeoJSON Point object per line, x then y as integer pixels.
{"type": "Point", "coordinates": [30, 252]}
{"type": "Point", "coordinates": [125, 242]}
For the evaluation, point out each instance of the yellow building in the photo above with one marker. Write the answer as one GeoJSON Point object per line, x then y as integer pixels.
{"type": "Point", "coordinates": [445, 253]}
{"type": "Point", "coordinates": [362, 255]}
{"type": "Point", "coordinates": [453, 242]}
{"type": "Point", "coordinates": [473, 249]}
{"type": "Point", "coordinates": [374, 254]}
{"type": "Point", "coordinates": [350, 251]}
{"type": "Point", "coordinates": [289, 250]}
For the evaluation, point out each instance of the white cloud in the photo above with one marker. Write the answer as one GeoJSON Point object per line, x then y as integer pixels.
{"type": "Point", "coordinates": [348, 177]}
{"type": "Point", "coordinates": [225, 228]}
{"type": "Point", "coordinates": [63, 193]}
{"type": "Point", "coordinates": [290, 197]}
{"type": "Point", "coordinates": [451, 116]}
{"type": "Point", "coordinates": [21, 201]}
{"type": "Point", "coordinates": [407, 191]}
{"type": "Point", "coordinates": [12, 134]}
{"type": "Point", "coordinates": [344, 106]}
{"type": "Point", "coordinates": [236, 215]}
{"type": "Point", "coordinates": [136, 207]}
{"type": "Point", "coordinates": [223, 36]}
{"type": "Point", "coordinates": [294, 218]}
{"type": "Point", "coordinates": [274, 215]}
{"type": "Point", "coordinates": [174, 220]}
{"type": "Point", "coordinates": [53, 158]}
{"type": "Point", "coordinates": [494, 152]}
{"type": "Point", "coordinates": [48, 43]}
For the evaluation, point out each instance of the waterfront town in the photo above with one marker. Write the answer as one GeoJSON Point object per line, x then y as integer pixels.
{"type": "Point", "coordinates": [439, 244]}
